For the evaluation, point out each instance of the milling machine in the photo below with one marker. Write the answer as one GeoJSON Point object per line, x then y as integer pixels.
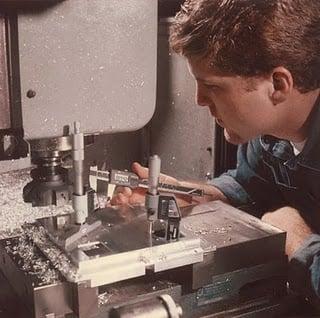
{"type": "Point", "coordinates": [94, 63]}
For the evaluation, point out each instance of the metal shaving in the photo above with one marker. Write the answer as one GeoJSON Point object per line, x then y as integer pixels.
{"type": "Point", "coordinates": [162, 257]}
{"type": "Point", "coordinates": [102, 201]}
{"type": "Point", "coordinates": [14, 213]}
{"type": "Point", "coordinates": [123, 291]}
{"type": "Point", "coordinates": [104, 298]}
{"type": "Point", "coordinates": [109, 296]}
{"type": "Point", "coordinates": [205, 228]}
{"type": "Point", "coordinates": [30, 261]}
{"type": "Point", "coordinates": [56, 256]}
{"type": "Point", "coordinates": [13, 210]}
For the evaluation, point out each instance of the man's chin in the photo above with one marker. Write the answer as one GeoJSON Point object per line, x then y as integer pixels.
{"type": "Point", "coordinates": [233, 138]}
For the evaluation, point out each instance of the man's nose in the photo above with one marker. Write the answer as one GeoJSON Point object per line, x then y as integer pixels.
{"type": "Point", "coordinates": [201, 97]}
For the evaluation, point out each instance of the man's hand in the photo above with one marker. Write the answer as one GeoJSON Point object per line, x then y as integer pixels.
{"type": "Point", "coordinates": [289, 219]}
{"type": "Point", "coordinates": [125, 195]}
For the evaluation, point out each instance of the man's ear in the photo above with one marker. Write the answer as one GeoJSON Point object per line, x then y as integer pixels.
{"type": "Point", "coordinates": [282, 81]}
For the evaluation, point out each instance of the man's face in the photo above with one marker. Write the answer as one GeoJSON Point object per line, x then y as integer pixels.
{"type": "Point", "coordinates": [241, 106]}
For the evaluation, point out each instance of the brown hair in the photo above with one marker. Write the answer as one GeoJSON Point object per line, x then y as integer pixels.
{"type": "Point", "coordinates": [252, 37]}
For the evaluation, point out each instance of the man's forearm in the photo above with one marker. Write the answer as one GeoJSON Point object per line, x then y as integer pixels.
{"type": "Point", "coordinates": [304, 269]}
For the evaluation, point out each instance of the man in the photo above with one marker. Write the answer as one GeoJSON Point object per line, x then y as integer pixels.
{"type": "Point", "coordinates": [257, 68]}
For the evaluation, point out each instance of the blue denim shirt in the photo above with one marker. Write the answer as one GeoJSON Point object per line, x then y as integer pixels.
{"type": "Point", "coordinates": [269, 176]}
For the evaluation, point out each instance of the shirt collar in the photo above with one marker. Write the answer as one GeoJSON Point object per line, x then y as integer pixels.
{"type": "Point", "coordinates": [309, 157]}
{"type": "Point", "coordinates": [310, 154]}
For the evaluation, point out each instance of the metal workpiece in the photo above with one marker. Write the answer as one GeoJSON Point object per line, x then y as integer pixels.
{"type": "Point", "coordinates": [113, 249]}
{"type": "Point", "coordinates": [234, 235]}
{"type": "Point", "coordinates": [101, 268]}
{"type": "Point", "coordinates": [66, 232]}
{"type": "Point", "coordinates": [122, 250]}
{"type": "Point", "coordinates": [230, 226]}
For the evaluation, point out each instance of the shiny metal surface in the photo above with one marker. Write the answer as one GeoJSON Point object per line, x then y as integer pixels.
{"type": "Point", "coordinates": [154, 174]}
{"type": "Point", "coordinates": [91, 61]}
{"type": "Point", "coordinates": [231, 240]}
{"type": "Point", "coordinates": [63, 143]}
{"type": "Point", "coordinates": [226, 226]}
{"type": "Point", "coordinates": [37, 293]}
{"type": "Point", "coordinates": [162, 306]}
{"type": "Point", "coordinates": [121, 247]}
{"type": "Point", "coordinates": [78, 160]}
